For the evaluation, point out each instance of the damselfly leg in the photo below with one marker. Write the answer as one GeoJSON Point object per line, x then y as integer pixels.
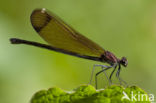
{"type": "Point", "coordinates": [104, 68]}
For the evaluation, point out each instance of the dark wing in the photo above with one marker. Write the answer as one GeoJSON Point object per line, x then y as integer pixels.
{"type": "Point", "coordinates": [60, 35]}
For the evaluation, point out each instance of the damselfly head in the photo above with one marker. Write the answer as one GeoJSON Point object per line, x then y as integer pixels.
{"type": "Point", "coordinates": [124, 61]}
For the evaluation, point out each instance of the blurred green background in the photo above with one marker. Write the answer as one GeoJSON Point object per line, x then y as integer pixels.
{"type": "Point", "coordinates": [127, 28]}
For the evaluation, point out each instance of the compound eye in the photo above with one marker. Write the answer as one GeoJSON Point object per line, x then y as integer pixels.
{"type": "Point", "coordinates": [124, 61]}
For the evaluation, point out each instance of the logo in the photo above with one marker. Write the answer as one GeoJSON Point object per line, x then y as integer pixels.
{"type": "Point", "coordinates": [138, 97]}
